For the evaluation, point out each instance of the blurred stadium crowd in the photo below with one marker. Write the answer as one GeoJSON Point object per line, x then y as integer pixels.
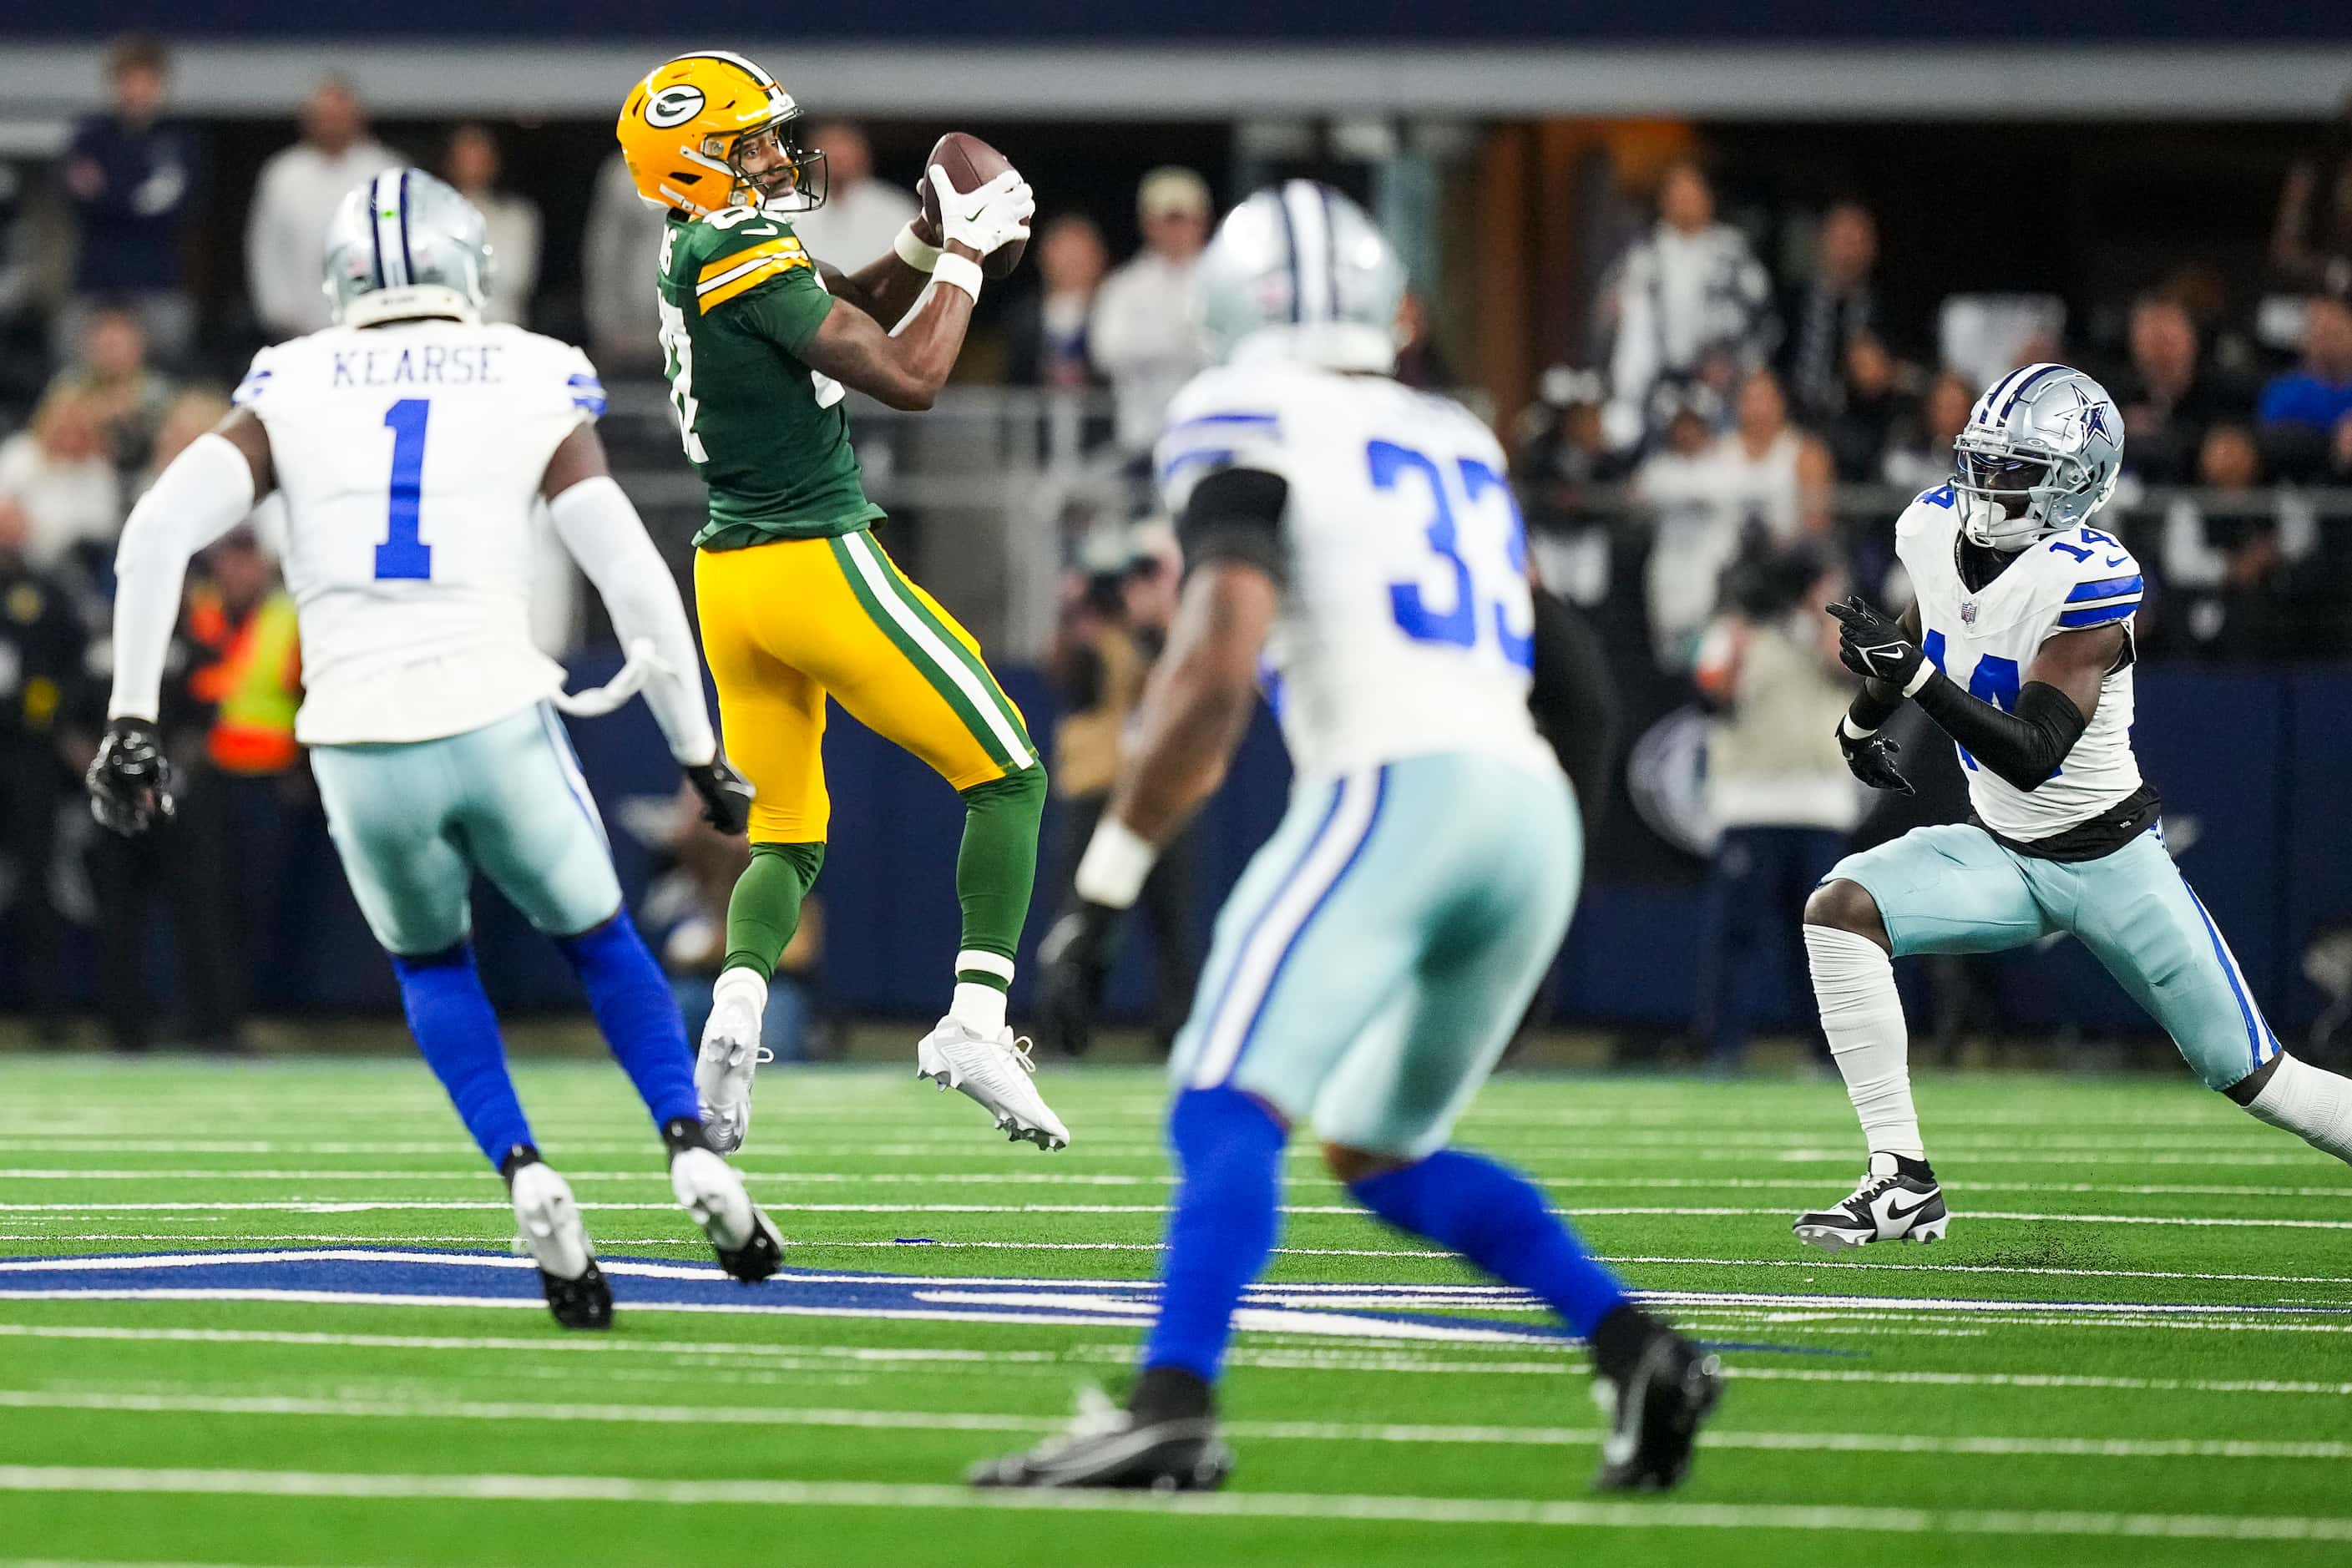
{"type": "Point", "coordinates": [1731, 456]}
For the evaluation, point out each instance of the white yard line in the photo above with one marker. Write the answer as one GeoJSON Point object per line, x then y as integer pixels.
{"type": "Point", "coordinates": [2341, 1192]}
{"type": "Point", "coordinates": [374, 1205]}
{"type": "Point", "coordinates": [1646, 1515]}
{"type": "Point", "coordinates": [270, 1406]}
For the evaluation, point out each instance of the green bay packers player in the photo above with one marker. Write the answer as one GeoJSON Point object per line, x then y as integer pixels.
{"type": "Point", "coordinates": [797, 600]}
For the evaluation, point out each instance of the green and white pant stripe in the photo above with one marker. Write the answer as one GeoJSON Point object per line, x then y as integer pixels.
{"type": "Point", "coordinates": [958, 674]}
{"type": "Point", "coordinates": [1382, 947]}
{"type": "Point", "coordinates": [1955, 890]}
{"type": "Point", "coordinates": [413, 822]}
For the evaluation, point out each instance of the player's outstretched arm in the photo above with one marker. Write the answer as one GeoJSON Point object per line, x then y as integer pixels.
{"type": "Point", "coordinates": [602, 533]}
{"type": "Point", "coordinates": [207, 490]}
{"type": "Point", "coordinates": [1199, 700]}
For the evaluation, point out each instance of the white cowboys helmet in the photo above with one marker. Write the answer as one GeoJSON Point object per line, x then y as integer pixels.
{"type": "Point", "coordinates": [405, 245]}
{"type": "Point", "coordinates": [1300, 272]}
{"type": "Point", "coordinates": [2041, 453]}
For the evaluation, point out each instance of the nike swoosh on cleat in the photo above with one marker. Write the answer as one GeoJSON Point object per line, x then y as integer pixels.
{"type": "Point", "coordinates": [1894, 1211]}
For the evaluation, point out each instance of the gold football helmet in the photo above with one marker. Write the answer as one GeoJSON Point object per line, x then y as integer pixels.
{"type": "Point", "coordinates": [710, 130]}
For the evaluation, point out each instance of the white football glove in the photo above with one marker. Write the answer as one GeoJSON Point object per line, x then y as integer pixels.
{"type": "Point", "coordinates": [993, 215]}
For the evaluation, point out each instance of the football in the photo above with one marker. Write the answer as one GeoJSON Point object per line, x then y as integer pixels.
{"type": "Point", "coordinates": [969, 161]}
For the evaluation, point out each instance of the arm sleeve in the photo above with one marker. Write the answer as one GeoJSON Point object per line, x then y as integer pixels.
{"type": "Point", "coordinates": [602, 530]}
{"type": "Point", "coordinates": [206, 491]}
{"type": "Point", "coordinates": [1236, 514]}
{"type": "Point", "coordinates": [1573, 702]}
{"type": "Point", "coordinates": [2024, 747]}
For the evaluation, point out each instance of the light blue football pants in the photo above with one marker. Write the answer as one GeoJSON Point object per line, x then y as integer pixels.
{"type": "Point", "coordinates": [413, 822]}
{"type": "Point", "coordinates": [1954, 890]}
{"type": "Point", "coordinates": [1382, 947]}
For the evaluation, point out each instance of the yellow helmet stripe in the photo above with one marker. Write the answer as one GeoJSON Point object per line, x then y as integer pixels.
{"type": "Point", "coordinates": [710, 296]}
{"type": "Point", "coordinates": [725, 265]}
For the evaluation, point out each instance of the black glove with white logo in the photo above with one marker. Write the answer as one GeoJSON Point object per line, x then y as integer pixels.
{"type": "Point", "coordinates": [726, 795]}
{"type": "Point", "coordinates": [1875, 646]}
{"type": "Point", "coordinates": [1871, 758]}
{"type": "Point", "coordinates": [130, 780]}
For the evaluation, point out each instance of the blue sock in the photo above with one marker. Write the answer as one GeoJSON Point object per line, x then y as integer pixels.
{"type": "Point", "coordinates": [1228, 1152]}
{"type": "Point", "coordinates": [451, 1018]}
{"type": "Point", "coordinates": [1498, 1220]}
{"type": "Point", "coordinates": [637, 1015]}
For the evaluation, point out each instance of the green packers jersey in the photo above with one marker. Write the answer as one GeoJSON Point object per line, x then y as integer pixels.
{"type": "Point", "coordinates": [740, 299]}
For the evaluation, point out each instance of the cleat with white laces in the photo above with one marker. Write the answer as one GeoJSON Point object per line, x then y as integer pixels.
{"type": "Point", "coordinates": [1109, 1447]}
{"type": "Point", "coordinates": [732, 1053]}
{"type": "Point", "coordinates": [551, 1234]}
{"type": "Point", "coordinates": [1898, 1201]}
{"type": "Point", "coordinates": [747, 1242]}
{"type": "Point", "coordinates": [995, 1070]}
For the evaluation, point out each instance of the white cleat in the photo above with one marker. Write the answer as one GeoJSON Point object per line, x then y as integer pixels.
{"type": "Point", "coordinates": [713, 1191]}
{"type": "Point", "coordinates": [549, 1232]}
{"type": "Point", "coordinates": [995, 1070]}
{"type": "Point", "coordinates": [732, 1053]}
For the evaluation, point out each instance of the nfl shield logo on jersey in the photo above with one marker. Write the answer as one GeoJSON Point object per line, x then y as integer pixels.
{"type": "Point", "coordinates": [1968, 612]}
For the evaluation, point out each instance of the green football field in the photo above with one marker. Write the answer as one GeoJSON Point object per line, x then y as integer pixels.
{"type": "Point", "coordinates": [311, 1345]}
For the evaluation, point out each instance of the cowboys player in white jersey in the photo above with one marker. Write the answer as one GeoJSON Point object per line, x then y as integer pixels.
{"type": "Point", "coordinates": [1375, 956]}
{"type": "Point", "coordinates": [2020, 647]}
{"type": "Point", "coordinates": [411, 443]}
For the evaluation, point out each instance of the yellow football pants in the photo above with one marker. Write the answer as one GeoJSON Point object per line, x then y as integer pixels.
{"type": "Point", "coordinates": [788, 623]}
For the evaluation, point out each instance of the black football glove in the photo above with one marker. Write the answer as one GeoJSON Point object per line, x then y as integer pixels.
{"type": "Point", "coordinates": [1871, 760]}
{"type": "Point", "coordinates": [726, 795]}
{"type": "Point", "coordinates": [1875, 646]}
{"type": "Point", "coordinates": [130, 780]}
{"type": "Point", "coordinates": [1075, 961]}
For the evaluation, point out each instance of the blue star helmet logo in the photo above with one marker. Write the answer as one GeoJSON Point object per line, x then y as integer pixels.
{"type": "Point", "coordinates": [2094, 420]}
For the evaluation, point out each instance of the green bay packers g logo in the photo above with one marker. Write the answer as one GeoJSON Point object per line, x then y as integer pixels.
{"type": "Point", "coordinates": [673, 106]}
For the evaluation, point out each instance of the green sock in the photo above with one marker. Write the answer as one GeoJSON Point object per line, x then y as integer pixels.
{"type": "Point", "coordinates": [995, 871]}
{"type": "Point", "coordinates": [764, 910]}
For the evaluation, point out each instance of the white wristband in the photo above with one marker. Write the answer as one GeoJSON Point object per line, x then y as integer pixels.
{"type": "Point", "coordinates": [1920, 677]}
{"type": "Point", "coordinates": [1116, 860]}
{"type": "Point", "coordinates": [1854, 731]}
{"type": "Point", "coordinates": [914, 250]}
{"type": "Point", "coordinates": [958, 272]}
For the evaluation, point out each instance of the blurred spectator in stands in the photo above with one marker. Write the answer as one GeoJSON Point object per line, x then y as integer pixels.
{"type": "Point", "coordinates": [296, 198]}
{"type": "Point", "coordinates": [189, 415]}
{"type": "Point", "coordinates": [1045, 330]}
{"type": "Point", "coordinates": [1418, 363]}
{"type": "Point", "coordinates": [1142, 334]}
{"type": "Point", "coordinates": [2235, 558]}
{"type": "Point", "coordinates": [1920, 455]}
{"type": "Point", "coordinates": [618, 255]}
{"type": "Point", "coordinates": [41, 643]}
{"type": "Point", "coordinates": [1691, 541]}
{"type": "Point", "coordinates": [1690, 288]}
{"type": "Point", "coordinates": [124, 394]}
{"type": "Point", "coordinates": [2311, 243]}
{"type": "Point", "coordinates": [1112, 631]}
{"type": "Point", "coordinates": [471, 163]}
{"type": "Point", "coordinates": [1777, 786]}
{"type": "Point", "coordinates": [1828, 312]}
{"type": "Point", "coordinates": [862, 216]}
{"type": "Point", "coordinates": [2168, 398]}
{"type": "Point", "coordinates": [18, 268]}
{"type": "Point", "coordinates": [1872, 405]}
{"type": "Point", "coordinates": [1559, 455]}
{"type": "Point", "coordinates": [685, 912]}
{"type": "Point", "coordinates": [2301, 409]}
{"type": "Point", "coordinates": [59, 470]}
{"type": "Point", "coordinates": [133, 181]}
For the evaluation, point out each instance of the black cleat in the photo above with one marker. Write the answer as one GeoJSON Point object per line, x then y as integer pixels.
{"type": "Point", "coordinates": [583, 1303]}
{"type": "Point", "coordinates": [1107, 1447]}
{"type": "Point", "coordinates": [758, 1259]}
{"type": "Point", "coordinates": [1657, 1395]}
{"type": "Point", "coordinates": [1898, 1201]}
